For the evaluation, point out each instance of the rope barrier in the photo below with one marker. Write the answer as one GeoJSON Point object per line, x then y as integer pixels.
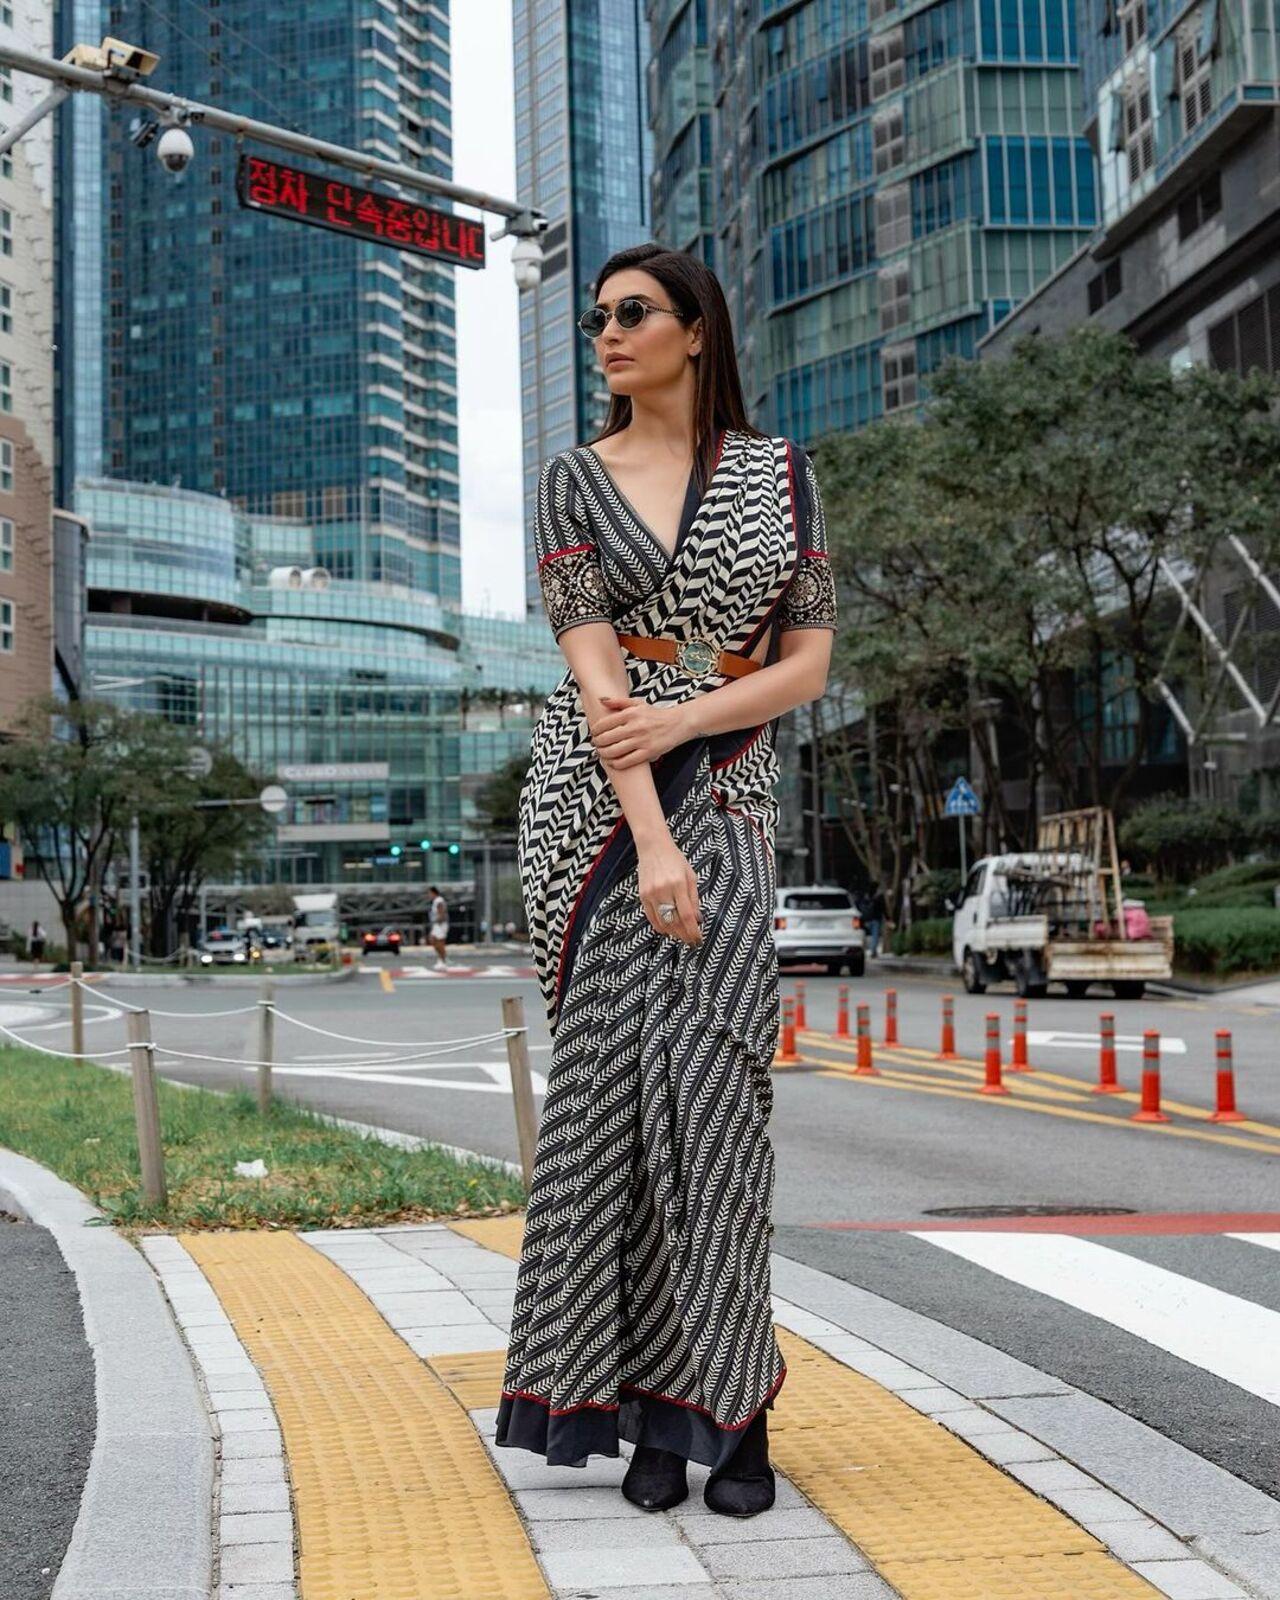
{"type": "Point", "coordinates": [396, 1044]}
{"type": "Point", "coordinates": [200, 1016]}
{"type": "Point", "coordinates": [30, 1045]}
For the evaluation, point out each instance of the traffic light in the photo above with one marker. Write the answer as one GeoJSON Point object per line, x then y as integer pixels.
{"type": "Point", "coordinates": [395, 849]}
{"type": "Point", "coordinates": [424, 844]}
{"type": "Point", "coordinates": [454, 849]}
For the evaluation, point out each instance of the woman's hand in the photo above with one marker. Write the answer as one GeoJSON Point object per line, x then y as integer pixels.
{"type": "Point", "coordinates": [664, 877]}
{"type": "Point", "coordinates": [632, 730]}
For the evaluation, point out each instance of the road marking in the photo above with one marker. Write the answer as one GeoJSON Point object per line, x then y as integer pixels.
{"type": "Point", "coordinates": [384, 978]}
{"type": "Point", "coordinates": [455, 971]}
{"type": "Point", "coordinates": [1225, 1224]}
{"type": "Point", "coordinates": [497, 1075]}
{"type": "Point", "coordinates": [1060, 1039]}
{"type": "Point", "coordinates": [1269, 1241]}
{"type": "Point", "coordinates": [1218, 1332]}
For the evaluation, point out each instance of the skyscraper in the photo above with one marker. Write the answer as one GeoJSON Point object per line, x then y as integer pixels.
{"type": "Point", "coordinates": [298, 372]}
{"type": "Point", "coordinates": [885, 180]}
{"type": "Point", "coordinates": [583, 152]}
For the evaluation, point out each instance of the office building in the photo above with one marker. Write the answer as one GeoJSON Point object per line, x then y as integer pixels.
{"type": "Point", "coordinates": [583, 156]}
{"type": "Point", "coordinates": [26, 385]}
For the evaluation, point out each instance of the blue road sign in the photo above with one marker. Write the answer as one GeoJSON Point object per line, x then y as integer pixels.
{"type": "Point", "coordinates": [961, 800]}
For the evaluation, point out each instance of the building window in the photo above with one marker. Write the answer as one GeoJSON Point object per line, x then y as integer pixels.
{"type": "Point", "coordinates": [898, 376]}
{"type": "Point", "coordinates": [6, 231]}
{"type": "Point", "coordinates": [6, 85]}
{"type": "Point", "coordinates": [6, 14]}
{"type": "Point", "coordinates": [888, 140]}
{"type": "Point", "coordinates": [893, 218]}
{"type": "Point", "coordinates": [1195, 91]}
{"type": "Point", "coordinates": [886, 63]}
{"type": "Point", "coordinates": [6, 544]}
{"type": "Point", "coordinates": [879, 8]}
{"type": "Point", "coordinates": [1249, 338]}
{"type": "Point", "coordinates": [6, 308]}
{"type": "Point", "coordinates": [1139, 135]}
{"type": "Point", "coordinates": [6, 386]}
{"type": "Point", "coordinates": [6, 627]}
{"type": "Point", "coordinates": [1104, 286]}
{"type": "Point", "coordinates": [6, 466]}
{"type": "Point", "coordinates": [1132, 16]}
{"type": "Point", "coordinates": [895, 296]}
{"type": "Point", "coordinates": [1195, 209]}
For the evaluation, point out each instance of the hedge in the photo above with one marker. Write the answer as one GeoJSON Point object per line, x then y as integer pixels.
{"type": "Point", "coordinates": [930, 936]}
{"type": "Point", "coordinates": [1246, 939]}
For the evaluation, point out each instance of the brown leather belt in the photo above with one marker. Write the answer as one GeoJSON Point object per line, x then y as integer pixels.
{"type": "Point", "coordinates": [695, 656]}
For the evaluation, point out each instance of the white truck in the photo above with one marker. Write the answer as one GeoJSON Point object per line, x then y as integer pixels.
{"type": "Point", "coordinates": [315, 925]}
{"type": "Point", "coordinates": [1056, 914]}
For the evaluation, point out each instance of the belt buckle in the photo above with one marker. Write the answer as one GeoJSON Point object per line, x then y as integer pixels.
{"type": "Point", "coordinates": [696, 656]}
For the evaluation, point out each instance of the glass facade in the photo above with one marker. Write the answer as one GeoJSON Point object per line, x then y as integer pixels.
{"type": "Point", "coordinates": [883, 182]}
{"type": "Point", "coordinates": [583, 154]}
{"type": "Point", "coordinates": [297, 372]}
{"type": "Point", "coordinates": [366, 701]}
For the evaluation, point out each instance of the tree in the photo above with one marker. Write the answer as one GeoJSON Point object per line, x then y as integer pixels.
{"type": "Point", "coordinates": [70, 779]}
{"type": "Point", "coordinates": [498, 799]}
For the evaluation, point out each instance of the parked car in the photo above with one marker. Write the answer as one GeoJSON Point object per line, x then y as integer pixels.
{"type": "Point", "coordinates": [383, 939]}
{"type": "Point", "coordinates": [816, 922]}
{"type": "Point", "coordinates": [274, 938]}
{"type": "Point", "coordinates": [223, 947]}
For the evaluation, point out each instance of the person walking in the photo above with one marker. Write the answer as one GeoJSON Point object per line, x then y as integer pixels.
{"type": "Point", "coordinates": [36, 941]}
{"type": "Point", "coordinates": [684, 572]}
{"type": "Point", "coordinates": [439, 931]}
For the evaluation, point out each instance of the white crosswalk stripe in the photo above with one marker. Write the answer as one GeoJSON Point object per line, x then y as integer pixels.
{"type": "Point", "coordinates": [1223, 1334]}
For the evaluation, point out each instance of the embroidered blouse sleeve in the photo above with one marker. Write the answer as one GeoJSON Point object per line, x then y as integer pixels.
{"type": "Point", "coordinates": [809, 600]}
{"type": "Point", "coordinates": [573, 587]}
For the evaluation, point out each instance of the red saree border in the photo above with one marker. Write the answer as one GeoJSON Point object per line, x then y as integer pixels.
{"type": "Point", "coordinates": [651, 1394]}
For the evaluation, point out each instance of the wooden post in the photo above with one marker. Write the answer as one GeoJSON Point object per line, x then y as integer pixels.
{"type": "Point", "coordinates": [77, 1009]}
{"type": "Point", "coordinates": [146, 1108]}
{"type": "Point", "coordinates": [266, 1044]}
{"type": "Point", "coordinates": [521, 1083]}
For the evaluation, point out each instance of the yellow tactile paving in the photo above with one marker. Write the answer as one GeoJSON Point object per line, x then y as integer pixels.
{"type": "Point", "coordinates": [395, 1495]}
{"type": "Point", "coordinates": [935, 1518]}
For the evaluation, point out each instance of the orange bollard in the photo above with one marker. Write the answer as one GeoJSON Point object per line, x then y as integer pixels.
{"type": "Point", "coordinates": [801, 1020]}
{"type": "Point", "coordinates": [865, 1067]}
{"type": "Point", "coordinates": [787, 1056]}
{"type": "Point", "coordinates": [1226, 1111]}
{"type": "Point", "coordinates": [842, 1013]}
{"type": "Point", "coordinates": [1018, 1055]}
{"type": "Point", "coordinates": [891, 1016]}
{"type": "Point", "coordinates": [948, 1051]}
{"type": "Point", "coordinates": [992, 1083]}
{"type": "Point", "coordinates": [1149, 1110]}
{"type": "Point", "coordinates": [1107, 1082]}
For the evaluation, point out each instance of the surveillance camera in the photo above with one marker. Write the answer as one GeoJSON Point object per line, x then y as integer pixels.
{"type": "Point", "coordinates": [175, 149]}
{"type": "Point", "coordinates": [526, 263]}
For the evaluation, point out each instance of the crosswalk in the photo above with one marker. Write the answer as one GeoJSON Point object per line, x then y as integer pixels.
{"type": "Point", "coordinates": [453, 970]}
{"type": "Point", "coordinates": [1228, 1335]}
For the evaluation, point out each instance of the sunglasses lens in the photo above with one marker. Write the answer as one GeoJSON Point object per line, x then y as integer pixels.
{"type": "Point", "coordinates": [593, 322]}
{"type": "Point", "coordinates": [630, 313]}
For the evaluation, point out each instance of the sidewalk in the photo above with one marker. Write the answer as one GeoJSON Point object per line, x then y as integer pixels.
{"type": "Point", "coordinates": [346, 1386]}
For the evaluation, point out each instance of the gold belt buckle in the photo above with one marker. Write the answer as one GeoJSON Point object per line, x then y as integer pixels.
{"type": "Point", "coordinates": [696, 657]}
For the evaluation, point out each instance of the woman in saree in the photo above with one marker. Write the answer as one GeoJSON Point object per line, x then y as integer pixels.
{"type": "Point", "coordinates": [684, 572]}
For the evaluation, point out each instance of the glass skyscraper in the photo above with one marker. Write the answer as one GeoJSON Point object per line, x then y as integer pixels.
{"type": "Point", "coordinates": [583, 153]}
{"type": "Point", "coordinates": [884, 181]}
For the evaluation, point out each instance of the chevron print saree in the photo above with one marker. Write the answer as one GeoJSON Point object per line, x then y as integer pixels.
{"type": "Point", "coordinates": [642, 1306]}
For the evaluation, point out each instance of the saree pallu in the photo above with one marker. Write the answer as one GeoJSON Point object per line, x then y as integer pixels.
{"type": "Point", "coordinates": [642, 1306]}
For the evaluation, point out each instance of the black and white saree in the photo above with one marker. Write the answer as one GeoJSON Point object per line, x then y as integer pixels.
{"type": "Point", "coordinates": [642, 1306]}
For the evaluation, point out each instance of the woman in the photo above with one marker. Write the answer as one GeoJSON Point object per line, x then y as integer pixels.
{"type": "Point", "coordinates": [684, 572]}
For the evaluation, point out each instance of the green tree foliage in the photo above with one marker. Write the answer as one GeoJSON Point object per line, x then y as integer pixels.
{"type": "Point", "coordinates": [498, 800]}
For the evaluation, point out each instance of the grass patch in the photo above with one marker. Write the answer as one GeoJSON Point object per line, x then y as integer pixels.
{"type": "Point", "coordinates": [77, 1119]}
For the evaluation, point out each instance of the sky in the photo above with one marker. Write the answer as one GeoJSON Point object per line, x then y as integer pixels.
{"type": "Point", "coordinates": [488, 329]}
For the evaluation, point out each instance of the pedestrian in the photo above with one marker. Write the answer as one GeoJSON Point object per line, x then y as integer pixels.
{"type": "Point", "coordinates": [119, 943]}
{"type": "Point", "coordinates": [874, 919]}
{"type": "Point", "coordinates": [439, 930]}
{"type": "Point", "coordinates": [672, 561]}
{"type": "Point", "coordinates": [36, 941]}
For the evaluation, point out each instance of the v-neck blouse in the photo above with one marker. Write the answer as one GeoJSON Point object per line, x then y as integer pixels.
{"type": "Point", "coordinates": [597, 558]}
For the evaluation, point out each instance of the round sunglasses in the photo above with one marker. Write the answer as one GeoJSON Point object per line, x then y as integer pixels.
{"type": "Point", "coordinates": [630, 313]}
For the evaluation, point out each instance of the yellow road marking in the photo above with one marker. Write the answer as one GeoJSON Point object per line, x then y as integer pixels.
{"type": "Point", "coordinates": [937, 1519]}
{"type": "Point", "coordinates": [394, 1491]}
{"type": "Point", "coordinates": [967, 1064]}
{"type": "Point", "coordinates": [384, 978]}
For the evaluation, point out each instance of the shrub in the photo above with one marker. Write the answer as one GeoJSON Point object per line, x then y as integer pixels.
{"type": "Point", "coordinates": [1180, 839]}
{"type": "Point", "coordinates": [1227, 941]}
{"type": "Point", "coordinates": [930, 936]}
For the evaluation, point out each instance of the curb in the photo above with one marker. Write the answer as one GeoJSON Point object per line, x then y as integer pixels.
{"type": "Point", "coordinates": [183, 980]}
{"type": "Point", "coordinates": [145, 1519]}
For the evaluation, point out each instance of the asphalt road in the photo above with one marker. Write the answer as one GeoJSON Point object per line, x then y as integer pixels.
{"type": "Point", "coordinates": [1174, 1319]}
{"type": "Point", "coordinates": [46, 1410]}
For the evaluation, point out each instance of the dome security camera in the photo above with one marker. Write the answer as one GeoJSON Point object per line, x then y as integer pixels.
{"type": "Point", "coordinates": [175, 149]}
{"type": "Point", "coordinates": [526, 263]}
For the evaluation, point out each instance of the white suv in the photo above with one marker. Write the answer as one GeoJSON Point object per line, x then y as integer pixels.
{"type": "Point", "coordinates": [815, 922]}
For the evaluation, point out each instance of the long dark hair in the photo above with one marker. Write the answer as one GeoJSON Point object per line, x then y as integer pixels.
{"type": "Point", "coordinates": [695, 292]}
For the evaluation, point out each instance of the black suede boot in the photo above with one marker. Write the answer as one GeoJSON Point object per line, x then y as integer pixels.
{"type": "Point", "coordinates": [655, 1480]}
{"type": "Point", "coordinates": [745, 1485]}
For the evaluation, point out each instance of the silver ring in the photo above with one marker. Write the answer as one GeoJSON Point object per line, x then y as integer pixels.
{"type": "Point", "coordinates": [667, 911]}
